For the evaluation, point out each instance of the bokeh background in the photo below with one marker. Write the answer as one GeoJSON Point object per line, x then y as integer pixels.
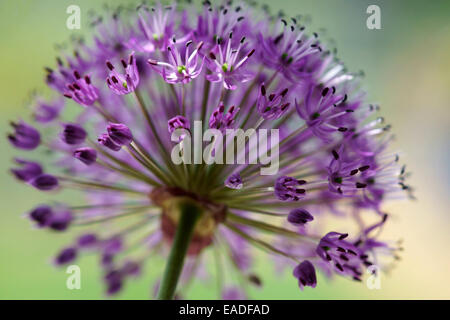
{"type": "Point", "coordinates": [407, 67]}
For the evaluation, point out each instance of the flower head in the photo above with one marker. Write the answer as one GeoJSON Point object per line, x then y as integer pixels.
{"type": "Point", "coordinates": [332, 153]}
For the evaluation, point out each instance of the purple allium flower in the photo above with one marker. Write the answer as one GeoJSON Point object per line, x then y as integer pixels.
{"type": "Point", "coordinates": [112, 246]}
{"type": "Point", "coordinates": [178, 69]}
{"type": "Point", "coordinates": [342, 254]}
{"type": "Point", "coordinates": [42, 215]}
{"type": "Point", "coordinates": [306, 274]}
{"type": "Point", "coordinates": [157, 27]}
{"type": "Point", "coordinates": [87, 240]}
{"type": "Point", "coordinates": [108, 142]}
{"type": "Point", "coordinates": [234, 181]}
{"type": "Point", "coordinates": [25, 136]}
{"type": "Point", "coordinates": [73, 134]}
{"type": "Point", "coordinates": [288, 50]}
{"type": "Point", "coordinates": [131, 268]}
{"type": "Point", "coordinates": [321, 109]}
{"type": "Point", "coordinates": [114, 282]}
{"type": "Point", "coordinates": [299, 216]}
{"type": "Point", "coordinates": [45, 112]}
{"type": "Point", "coordinates": [44, 182]}
{"type": "Point", "coordinates": [66, 256]}
{"type": "Point", "coordinates": [333, 152]}
{"type": "Point", "coordinates": [81, 90]}
{"type": "Point", "coordinates": [221, 119]}
{"type": "Point", "coordinates": [178, 122]}
{"type": "Point", "coordinates": [86, 155]}
{"type": "Point", "coordinates": [123, 83]}
{"type": "Point", "coordinates": [120, 133]}
{"type": "Point", "coordinates": [28, 170]}
{"type": "Point", "coordinates": [227, 65]}
{"type": "Point", "coordinates": [272, 106]}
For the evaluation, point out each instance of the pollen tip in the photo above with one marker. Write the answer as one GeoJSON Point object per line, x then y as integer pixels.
{"type": "Point", "coordinates": [109, 65]}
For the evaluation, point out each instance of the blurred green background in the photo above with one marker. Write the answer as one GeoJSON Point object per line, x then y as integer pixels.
{"type": "Point", "coordinates": [407, 67]}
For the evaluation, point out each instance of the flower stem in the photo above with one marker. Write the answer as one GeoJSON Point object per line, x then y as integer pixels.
{"type": "Point", "coordinates": [189, 214]}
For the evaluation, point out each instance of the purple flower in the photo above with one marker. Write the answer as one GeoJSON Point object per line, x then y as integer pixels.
{"type": "Point", "coordinates": [112, 246]}
{"type": "Point", "coordinates": [178, 122]}
{"type": "Point", "coordinates": [321, 111]}
{"type": "Point", "coordinates": [73, 134]}
{"type": "Point", "coordinates": [120, 134]}
{"type": "Point", "coordinates": [60, 220]}
{"type": "Point", "coordinates": [81, 90]}
{"type": "Point", "coordinates": [41, 215]}
{"type": "Point", "coordinates": [28, 170]}
{"type": "Point", "coordinates": [157, 26]}
{"type": "Point", "coordinates": [288, 189]}
{"type": "Point", "coordinates": [299, 217]}
{"type": "Point", "coordinates": [66, 256]}
{"type": "Point", "coordinates": [123, 83]}
{"type": "Point", "coordinates": [44, 182]}
{"type": "Point", "coordinates": [274, 105]}
{"type": "Point", "coordinates": [258, 65]}
{"type": "Point", "coordinates": [234, 181]}
{"type": "Point", "coordinates": [106, 141]}
{"type": "Point", "coordinates": [131, 268]}
{"type": "Point", "coordinates": [87, 241]}
{"type": "Point", "coordinates": [46, 112]}
{"type": "Point", "coordinates": [343, 173]}
{"type": "Point", "coordinates": [342, 254]}
{"type": "Point", "coordinates": [288, 51]}
{"type": "Point", "coordinates": [25, 136]}
{"type": "Point", "coordinates": [228, 66]}
{"type": "Point", "coordinates": [223, 120]}
{"type": "Point", "coordinates": [114, 282]}
{"type": "Point", "coordinates": [305, 274]}
{"type": "Point", "coordinates": [86, 155]}
{"type": "Point", "coordinates": [179, 70]}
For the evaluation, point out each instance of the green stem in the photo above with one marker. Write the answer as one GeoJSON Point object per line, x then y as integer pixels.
{"type": "Point", "coordinates": [189, 214]}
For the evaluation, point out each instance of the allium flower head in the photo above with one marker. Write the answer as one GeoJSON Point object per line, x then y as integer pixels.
{"type": "Point", "coordinates": [142, 79]}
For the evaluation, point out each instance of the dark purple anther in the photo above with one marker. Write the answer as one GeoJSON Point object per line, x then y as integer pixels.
{"type": "Point", "coordinates": [234, 181]}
